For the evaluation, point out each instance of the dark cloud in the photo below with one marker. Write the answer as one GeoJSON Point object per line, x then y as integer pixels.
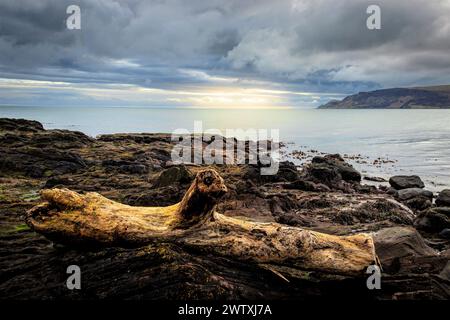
{"type": "Point", "coordinates": [309, 45]}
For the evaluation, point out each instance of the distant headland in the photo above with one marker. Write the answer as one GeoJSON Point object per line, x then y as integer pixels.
{"type": "Point", "coordinates": [432, 97]}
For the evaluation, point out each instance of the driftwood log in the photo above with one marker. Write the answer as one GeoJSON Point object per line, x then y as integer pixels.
{"type": "Point", "coordinates": [69, 217]}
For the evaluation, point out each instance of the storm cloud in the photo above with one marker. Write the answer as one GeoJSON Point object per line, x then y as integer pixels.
{"type": "Point", "coordinates": [174, 52]}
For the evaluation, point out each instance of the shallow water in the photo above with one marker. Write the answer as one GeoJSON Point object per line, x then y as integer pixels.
{"type": "Point", "coordinates": [417, 140]}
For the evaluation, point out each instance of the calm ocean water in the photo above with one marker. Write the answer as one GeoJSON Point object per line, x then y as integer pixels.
{"type": "Point", "coordinates": [417, 140]}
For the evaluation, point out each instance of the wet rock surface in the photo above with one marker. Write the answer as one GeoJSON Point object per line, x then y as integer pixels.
{"type": "Point", "coordinates": [445, 233]}
{"type": "Point", "coordinates": [173, 175]}
{"type": "Point", "coordinates": [415, 198]}
{"type": "Point", "coordinates": [433, 220]}
{"type": "Point", "coordinates": [410, 193]}
{"type": "Point", "coordinates": [325, 195]}
{"type": "Point", "coordinates": [443, 199]}
{"type": "Point", "coordinates": [405, 182]}
{"type": "Point", "coordinates": [398, 245]}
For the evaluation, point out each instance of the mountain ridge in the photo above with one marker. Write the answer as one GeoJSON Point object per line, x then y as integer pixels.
{"type": "Point", "coordinates": [432, 97]}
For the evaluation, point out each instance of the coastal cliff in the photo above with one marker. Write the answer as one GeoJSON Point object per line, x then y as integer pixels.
{"type": "Point", "coordinates": [436, 97]}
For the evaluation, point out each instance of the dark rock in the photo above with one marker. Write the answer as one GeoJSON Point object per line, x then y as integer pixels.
{"type": "Point", "coordinates": [306, 186]}
{"type": "Point", "coordinates": [287, 171]}
{"type": "Point", "coordinates": [389, 190]}
{"type": "Point", "coordinates": [410, 193]}
{"type": "Point", "coordinates": [32, 158]}
{"type": "Point", "coordinates": [64, 167]}
{"type": "Point", "coordinates": [347, 172]}
{"type": "Point", "coordinates": [133, 168]}
{"type": "Point", "coordinates": [372, 210]}
{"type": "Point", "coordinates": [141, 138]}
{"type": "Point", "coordinates": [243, 186]}
{"type": "Point", "coordinates": [443, 199]}
{"type": "Point", "coordinates": [156, 272]}
{"type": "Point", "coordinates": [443, 210]}
{"type": "Point", "coordinates": [445, 273]}
{"type": "Point", "coordinates": [61, 139]}
{"type": "Point", "coordinates": [324, 173]}
{"type": "Point", "coordinates": [433, 219]}
{"type": "Point", "coordinates": [416, 198]}
{"type": "Point", "coordinates": [58, 181]}
{"type": "Point", "coordinates": [375, 179]}
{"type": "Point", "coordinates": [124, 166]}
{"type": "Point", "coordinates": [162, 155]}
{"type": "Point", "coordinates": [332, 171]}
{"type": "Point", "coordinates": [115, 163]}
{"type": "Point", "coordinates": [34, 171]}
{"type": "Point", "coordinates": [405, 182]}
{"type": "Point", "coordinates": [392, 191]}
{"type": "Point", "coordinates": [418, 204]}
{"type": "Point", "coordinates": [52, 154]}
{"type": "Point", "coordinates": [445, 233]}
{"type": "Point", "coordinates": [7, 164]}
{"type": "Point", "coordinates": [282, 203]}
{"type": "Point", "coordinates": [364, 188]}
{"type": "Point", "coordinates": [20, 125]}
{"type": "Point", "coordinates": [252, 173]}
{"type": "Point", "coordinates": [178, 174]}
{"type": "Point", "coordinates": [396, 247]}
{"type": "Point", "coordinates": [27, 149]}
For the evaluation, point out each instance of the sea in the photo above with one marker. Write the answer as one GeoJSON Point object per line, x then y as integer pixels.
{"type": "Point", "coordinates": [379, 143]}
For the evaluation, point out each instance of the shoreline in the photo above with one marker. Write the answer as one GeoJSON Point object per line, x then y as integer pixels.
{"type": "Point", "coordinates": [416, 140]}
{"type": "Point", "coordinates": [326, 196]}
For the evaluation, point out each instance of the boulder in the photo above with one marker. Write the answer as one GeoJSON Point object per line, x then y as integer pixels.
{"type": "Point", "coordinates": [396, 247]}
{"type": "Point", "coordinates": [388, 190]}
{"type": "Point", "coordinates": [405, 182]}
{"type": "Point", "coordinates": [366, 188]}
{"type": "Point", "coordinates": [410, 193]}
{"type": "Point", "coordinates": [433, 219]}
{"type": "Point", "coordinates": [418, 204]}
{"type": "Point", "coordinates": [335, 161]}
{"type": "Point", "coordinates": [445, 233]}
{"type": "Point", "coordinates": [416, 198]}
{"type": "Point", "coordinates": [323, 173]}
{"type": "Point", "coordinates": [443, 199]}
{"type": "Point", "coordinates": [287, 172]}
{"type": "Point", "coordinates": [375, 179]}
{"type": "Point", "coordinates": [332, 171]}
{"type": "Point", "coordinates": [178, 174]}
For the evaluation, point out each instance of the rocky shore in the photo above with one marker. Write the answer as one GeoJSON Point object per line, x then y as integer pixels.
{"type": "Point", "coordinates": [411, 225]}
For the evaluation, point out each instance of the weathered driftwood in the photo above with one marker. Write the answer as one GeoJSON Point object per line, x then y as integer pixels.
{"type": "Point", "coordinates": [69, 217]}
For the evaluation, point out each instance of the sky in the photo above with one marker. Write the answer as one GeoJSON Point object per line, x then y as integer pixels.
{"type": "Point", "coordinates": [217, 53]}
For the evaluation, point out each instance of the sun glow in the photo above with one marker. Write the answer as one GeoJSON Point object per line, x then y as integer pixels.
{"type": "Point", "coordinates": [229, 97]}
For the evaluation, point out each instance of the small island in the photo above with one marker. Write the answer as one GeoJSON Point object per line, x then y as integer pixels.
{"type": "Point", "coordinates": [433, 97]}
